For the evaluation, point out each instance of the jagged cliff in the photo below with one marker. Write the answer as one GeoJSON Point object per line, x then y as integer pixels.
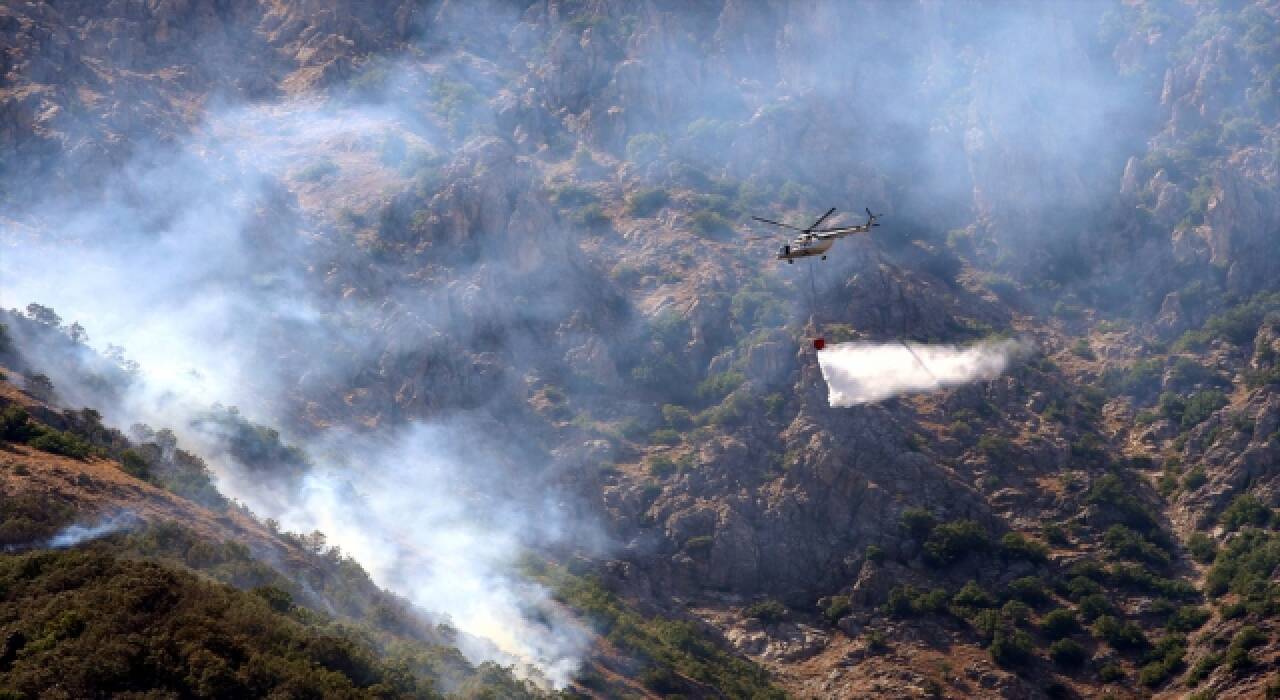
{"type": "Point", "coordinates": [525, 218]}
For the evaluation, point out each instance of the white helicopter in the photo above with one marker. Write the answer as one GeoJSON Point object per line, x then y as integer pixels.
{"type": "Point", "coordinates": [817, 241]}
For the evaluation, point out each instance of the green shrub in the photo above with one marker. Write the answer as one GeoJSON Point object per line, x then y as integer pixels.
{"type": "Point", "coordinates": [1203, 668]}
{"type": "Point", "coordinates": [1121, 635]}
{"type": "Point", "coordinates": [1194, 479]}
{"type": "Point", "coordinates": [1202, 547]}
{"type": "Point", "coordinates": [662, 466]}
{"type": "Point", "coordinates": [1081, 348]}
{"type": "Point", "coordinates": [591, 216]}
{"type": "Point", "coordinates": [1055, 534]}
{"type": "Point", "coordinates": [1245, 509]}
{"type": "Point", "coordinates": [710, 224]}
{"type": "Point", "coordinates": [1015, 545]}
{"type": "Point", "coordinates": [1068, 653]}
{"type": "Point", "coordinates": [1016, 612]}
{"type": "Point", "coordinates": [317, 170]}
{"type": "Point", "coordinates": [905, 601]}
{"type": "Point", "coordinates": [875, 554]}
{"type": "Point", "coordinates": [1121, 503]}
{"type": "Point", "coordinates": [996, 447]}
{"type": "Point", "coordinates": [1094, 606]}
{"type": "Point", "coordinates": [1028, 589]}
{"type": "Point", "coordinates": [768, 611]}
{"type": "Point", "coordinates": [1059, 623]}
{"type": "Point", "coordinates": [16, 424]}
{"type": "Point", "coordinates": [646, 203]}
{"type": "Point", "coordinates": [1165, 660]}
{"type": "Point", "coordinates": [62, 443]}
{"type": "Point", "coordinates": [971, 595]}
{"type": "Point", "coordinates": [1237, 657]}
{"type": "Point", "coordinates": [950, 542]}
{"type": "Point", "coordinates": [838, 607]}
{"type": "Point", "coordinates": [1200, 405]}
{"type": "Point", "coordinates": [1245, 564]}
{"type": "Point", "coordinates": [644, 148]}
{"type": "Point", "coordinates": [1188, 618]}
{"type": "Point", "coordinates": [135, 465]}
{"type": "Point", "coordinates": [677, 417]}
{"type": "Point", "coordinates": [664, 436]}
{"type": "Point", "coordinates": [1011, 648]}
{"type": "Point", "coordinates": [919, 522]}
{"type": "Point", "coordinates": [1140, 380]}
{"type": "Point", "coordinates": [1131, 544]}
{"type": "Point", "coordinates": [1111, 672]}
{"type": "Point", "coordinates": [718, 386]}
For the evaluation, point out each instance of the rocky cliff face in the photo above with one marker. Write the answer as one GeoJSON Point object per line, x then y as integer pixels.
{"type": "Point", "coordinates": [547, 237]}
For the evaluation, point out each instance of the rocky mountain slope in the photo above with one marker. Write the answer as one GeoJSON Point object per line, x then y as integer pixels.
{"type": "Point", "coordinates": [525, 221]}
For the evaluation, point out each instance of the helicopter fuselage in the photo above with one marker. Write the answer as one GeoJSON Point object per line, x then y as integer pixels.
{"type": "Point", "coordinates": [805, 247]}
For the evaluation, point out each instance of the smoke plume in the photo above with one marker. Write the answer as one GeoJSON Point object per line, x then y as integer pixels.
{"type": "Point", "coordinates": [73, 535]}
{"type": "Point", "coordinates": [858, 373]}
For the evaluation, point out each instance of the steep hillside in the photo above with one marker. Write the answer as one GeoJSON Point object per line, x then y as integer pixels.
{"type": "Point", "coordinates": [474, 287]}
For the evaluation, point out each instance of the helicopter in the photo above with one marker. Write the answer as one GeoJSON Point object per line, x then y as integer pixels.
{"type": "Point", "coordinates": [817, 241]}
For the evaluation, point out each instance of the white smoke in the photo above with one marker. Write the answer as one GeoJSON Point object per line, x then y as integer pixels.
{"type": "Point", "coordinates": [190, 302]}
{"type": "Point", "coordinates": [425, 517]}
{"type": "Point", "coordinates": [858, 373]}
{"type": "Point", "coordinates": [73, 535]}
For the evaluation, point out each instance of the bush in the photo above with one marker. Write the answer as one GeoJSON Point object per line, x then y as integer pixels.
{"type": "Point", "coordinates": [837, 608]}
{"type": "Point", "coordinates": [710, 224]}
{"type": "Point", "coordinates": [1194, 479]}
{"type": "Point", "coordinates": [646, 203]}
{"type": "Point", "coordinates": [677, 417]}
{"type": "Point", "coordinates": [644, 148]}
{"type": "Point", "coordinates": [1015, 545]}
{"type": "Point", "coordinates": [1140, 380]}
{"type": "Point", "coordinates": [768, 611]}
{"type": "Point", "coordinates": [1055, 533]}
{"type": "Point", "coordinates": [997, 448]}
{"type": "Point", "coordinates": [1094, 606]}
{"type": "Point", "coordinates": [16, 425]}
{"type": "Point", "coordinates": [1068, 653]}
{"type": "Point", "coordinates": [1202, 547]}
{"type": "Point", "coordinates": [662, 466]}
{"type": "Point", "coordinates": [135, 465]}
{"type": "Point", "coordinates": [1163, 661]}
{"type": "Point", "coordinates": [1245, 509]}
{"type": "Point", "coordinates": [1111, 673]}
{"type": "Point", "coordinates": [1029, 590]}
{"type": "Point", "coordinates": [1244, 565]}
{"type": "Point", "coordinates": [973, 596]}
{"type": "Point", "coordinates": [950, 542]}
{"type": "Point", "coordinates": [1203, 668]}
{"type": "Point", "coordinates": [1059, 623]}
{"type": "Point", "coordinates": [1016, 612]}
{"type": "Point", "coordinates": [1011, 648]}
{"type": "Point", "coordinates": [1130, 544]}
{"type": "Point", "coordinates": [1120, 635]}
{"type": "Point", "coordinates": [718, 386]}
{"type": "Point", "coordinates": [1112, 492]}
{"type": "Point", "coordinates": [1200, 406]}
{"type": "Point", "coordinates": [665, 436]}
{"type": "Point", "coordinates": [875, 554]}
{"type": "Point", "coordinates": [919, 522]}
{"type": "Point", "coordinates": [62, 443]}
{"type": "Point", "coordinates": [905, 601]}
{"type": "Point", "coordinates": [1188, 618]}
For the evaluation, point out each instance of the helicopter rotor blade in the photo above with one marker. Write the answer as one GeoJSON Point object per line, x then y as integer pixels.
{"type": "Point", "coordinates": [777, 223]}
{"type": "Point", "coordinates": [822, 218]}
